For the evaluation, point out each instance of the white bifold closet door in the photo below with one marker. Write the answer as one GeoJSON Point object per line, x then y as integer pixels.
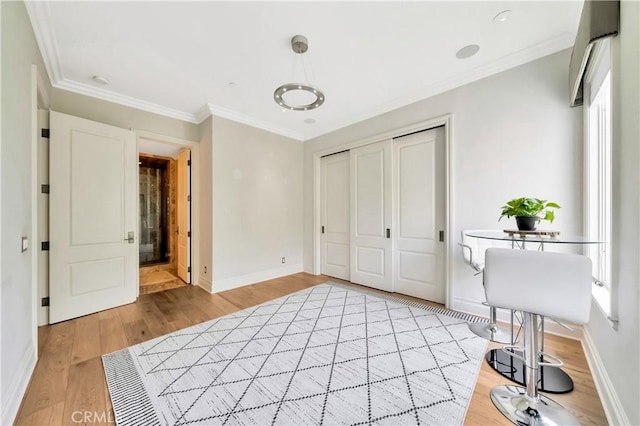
{"type": "Point", "coordinates": [419, 214]}
{"type": "Point", "coordinates": [371, 255]}
{"type": "Point", "coordinates": [335, 216]}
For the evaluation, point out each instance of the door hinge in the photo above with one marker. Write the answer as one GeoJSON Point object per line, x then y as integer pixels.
{"type": "Point", "coordinates": [45, 301]}
{"type": "Point", "coordinates": [189, 234]}
{"type": "Point", "coordinates": [188, 197]}
{"type": "Point", "coordinates": [44, 189]}
{"type": "Point", "coordinates": [188, 268]}
{"type": "Point", "coordinates": [45, 245]}
{"type": "Point", "coordinates": [323, 229]}
{"type": "Point", "coordinates": [188, 162]}
{"type": "Point", "coordinates": [45, 133]}
{"type": "Point", "coordinates": [388, 233]}
{"type": "Point", "coordinates": [441, 236]}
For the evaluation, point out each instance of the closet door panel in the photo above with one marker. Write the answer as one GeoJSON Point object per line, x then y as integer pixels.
{"type": "Point", "coordinates": [335, 216]}
{"type": "Point", "coordinates": [371, 261]}
{"type": "Point", "coordinates": [418, 188]}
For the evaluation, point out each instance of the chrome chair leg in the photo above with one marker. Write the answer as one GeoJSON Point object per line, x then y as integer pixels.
{"type": "Point", "coordinates": [491, 331]}
{"type": "Point", "coordinates": [525, 406]}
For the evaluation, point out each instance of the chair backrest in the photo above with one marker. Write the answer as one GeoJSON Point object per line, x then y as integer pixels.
{"type": "Point", "coordinates": [557, 285]}
{"type": "Point", "coordinates": [473, 249]}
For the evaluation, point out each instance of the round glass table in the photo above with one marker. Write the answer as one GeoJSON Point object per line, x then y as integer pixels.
{"type": "Point", "coordinates": [550, 379]}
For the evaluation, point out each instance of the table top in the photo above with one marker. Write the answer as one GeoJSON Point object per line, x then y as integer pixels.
{"type": "Point", "coordinates": [557, 239]}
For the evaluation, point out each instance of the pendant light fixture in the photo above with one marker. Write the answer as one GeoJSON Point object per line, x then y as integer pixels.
{"type": "Point", "coordinates": [299, 96]}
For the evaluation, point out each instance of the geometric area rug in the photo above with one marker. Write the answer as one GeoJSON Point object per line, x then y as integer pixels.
{"type": "Point", "coordinates": [329, 354]}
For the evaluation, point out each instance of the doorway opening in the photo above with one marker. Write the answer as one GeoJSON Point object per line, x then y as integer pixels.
{"type": "Point", "coordinates": [154, 210]}
{"type": "Point", "coordinates": [164, 200]}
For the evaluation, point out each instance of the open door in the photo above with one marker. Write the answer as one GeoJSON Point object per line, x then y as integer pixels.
{"type": "Point", "coordinates": [183, 213]}
{"type": "Point", "coordinates": [93, 193]}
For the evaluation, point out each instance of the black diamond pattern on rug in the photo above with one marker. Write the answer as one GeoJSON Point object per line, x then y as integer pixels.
{"type": "Point", "coordinates": [325, 355]}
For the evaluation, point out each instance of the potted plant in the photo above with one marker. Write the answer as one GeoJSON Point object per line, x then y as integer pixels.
{"type": "Point", "coordinates": [528, 211]}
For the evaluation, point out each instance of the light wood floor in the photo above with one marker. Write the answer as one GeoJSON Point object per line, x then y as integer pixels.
{"type": "Point", "coordinates": [69, 383]}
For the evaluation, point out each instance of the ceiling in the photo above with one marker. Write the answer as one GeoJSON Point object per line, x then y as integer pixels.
{"type": "Point", "coordinates": [189, 60]}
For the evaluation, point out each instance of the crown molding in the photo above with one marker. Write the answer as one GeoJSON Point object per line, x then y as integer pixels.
{"type": "Point", "coordinates": [38, 12]}
{"type": "Point", "coordinates": [219, 111]}
{"type": "Point", "coordinates": [106, 95]}
{"type": "Point", "coordinates": [505, 63]}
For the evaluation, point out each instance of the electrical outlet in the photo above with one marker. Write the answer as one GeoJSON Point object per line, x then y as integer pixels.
{"type": "Point", "coordinates": [283, 260]}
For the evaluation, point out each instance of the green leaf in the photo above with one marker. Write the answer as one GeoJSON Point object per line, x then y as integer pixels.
{"type": "Point", "coordinates": [531, 207]}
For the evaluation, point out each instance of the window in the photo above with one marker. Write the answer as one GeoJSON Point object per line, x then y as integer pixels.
{"type": "Point", "coordinates": [597, 110]}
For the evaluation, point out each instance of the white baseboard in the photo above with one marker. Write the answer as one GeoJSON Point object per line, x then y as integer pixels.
{"type": "Point", "coordinates": [474, 307]}
{"type": "Point", "coordinates": [205, 284]}
{"type": "Point", "coordinates": [18, 388]}
{"type": "Point", "coordinates": [256, 277]}
{"type": "Point", "coordinates": [610, 402]}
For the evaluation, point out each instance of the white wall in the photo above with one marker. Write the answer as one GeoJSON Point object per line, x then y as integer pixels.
{"type": "Point", "coordinates": [18, 345]}
{"type": "Point", "coordinates": [618, 350]}
{"type": "Point", "coordinates": [206, 204]}
{"type": "Point", "coordinates": [257, 205]}
{"type": "Point", "coordinates": [121, 116]}
{"type": "Point", "coordinates": [513, 135]}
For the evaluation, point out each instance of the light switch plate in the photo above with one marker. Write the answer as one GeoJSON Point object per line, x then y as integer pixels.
{"type": "Point", "coordinates": [25, 244]}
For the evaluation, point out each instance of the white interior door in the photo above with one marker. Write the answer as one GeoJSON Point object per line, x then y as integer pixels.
{"type": "Point", "coordinates": [93, 217]}
{"type": "Point", "coordinates": [371, 215]}
{"type": "Point", "coordinates": [183, 211]}
{"type": "Point", "coordinates": [419, 214]}
{"type": "Point", "coordinates": [335, 216]}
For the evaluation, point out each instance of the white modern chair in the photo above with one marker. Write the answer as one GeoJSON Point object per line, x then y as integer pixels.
{"type": "Point", "coordinates": [473, 250]}
{"type": "Point", "coordinates": [537, 283]}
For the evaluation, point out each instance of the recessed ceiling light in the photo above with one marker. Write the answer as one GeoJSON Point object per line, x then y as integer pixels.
{"type": "Point", "coordinates": [232, 84]}
{"type": "Point", "coordinates": [100, 79]}
{"type": "Point", "coordinates": [467, 51]}
{"type": "Point", "coordinates": [502, 16]}
{"type": "Point", "coordinates": [310, 121]}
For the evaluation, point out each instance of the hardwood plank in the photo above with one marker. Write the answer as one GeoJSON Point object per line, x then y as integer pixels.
{"type": "Point", "coordinates": [86, 394]}
{"type": "Point", "coordinates": [57, 414]}
{"type": "Point", "coordinates": [86, 342]}
{"type": "Point", "coordinates": [49, 380]}
{"type": "Point", "coordinates": [112, 334]}
{"type": "Point", "coordinates": [194, 314]}
{"type": "Point", "coordinates": [137, 332]}
{"type": "Point", "coordinates": [156, 321]}
{"type": "Point", "coordinates": [167, 307]}
{"type": "Point", "coordinates": [43, 336]}
{"type": "Point", "coordinates": [51, 415]}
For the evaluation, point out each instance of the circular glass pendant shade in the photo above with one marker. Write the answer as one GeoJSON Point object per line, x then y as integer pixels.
{"type": "Point", "coordinates": [298, 103]}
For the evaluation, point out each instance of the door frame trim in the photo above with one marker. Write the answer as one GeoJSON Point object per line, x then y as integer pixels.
{"type": "Point", "coordinates": [443, 120]}
{"type": "Point", "coordinates": [39, 100]}
{"type": "Point", "coordinates": [195, 191]}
